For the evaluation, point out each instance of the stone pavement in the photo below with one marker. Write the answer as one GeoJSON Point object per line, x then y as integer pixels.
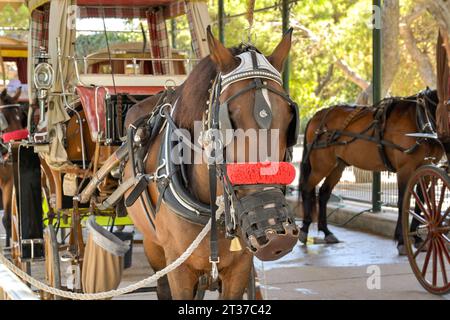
{"type": "Point", "coordinates": [321, 271]}
{"type": "Point", "coordinates": [316, 271]}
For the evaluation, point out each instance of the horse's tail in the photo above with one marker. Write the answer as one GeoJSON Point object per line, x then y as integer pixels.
{"type": "Point", "coordinates": [305, 165]}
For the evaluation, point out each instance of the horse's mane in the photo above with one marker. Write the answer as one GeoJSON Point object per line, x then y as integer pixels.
{"type": "Point", "coordinates": [193, 94]}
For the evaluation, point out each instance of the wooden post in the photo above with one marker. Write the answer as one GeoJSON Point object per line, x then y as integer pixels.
{"type": "Point", "coordinates": [285, 28]}
{"type": "Point", "coordinates": [221, 19]}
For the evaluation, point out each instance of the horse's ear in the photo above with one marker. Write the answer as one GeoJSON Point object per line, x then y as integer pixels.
{"type": "Point", "coordinates": [220, 55]}
{"type": "Point", "coordinates": [279, 55]}
{"type": "Point", "coordinates": [17, 95]}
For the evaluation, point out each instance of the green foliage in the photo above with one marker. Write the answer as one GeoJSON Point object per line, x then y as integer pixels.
{"type": "Point", "coordinates": [90, 43]}
{"type": "Point", "coordinates": [336, 30]}
{"type": "Point", "coordinates": [9, 17]}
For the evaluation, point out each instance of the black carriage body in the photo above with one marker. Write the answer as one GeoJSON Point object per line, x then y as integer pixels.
{"type": "Point", "coordinates": [27, 183]}
{"type": "Point", "coordinates": [117, 107]}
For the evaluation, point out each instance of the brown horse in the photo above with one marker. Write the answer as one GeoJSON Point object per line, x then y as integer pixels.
{"type": "Point", "coordinates": [171, 234]}
{"type": "Point", "coordinates": [14, 118]}
{"type": "Point", "coordinates": [345, 135]}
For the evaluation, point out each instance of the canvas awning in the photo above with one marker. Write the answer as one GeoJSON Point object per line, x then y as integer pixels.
{"type": "Point", "coordinates": [13, 48]}
{"type": "Point", "coordinates": [122, 8]}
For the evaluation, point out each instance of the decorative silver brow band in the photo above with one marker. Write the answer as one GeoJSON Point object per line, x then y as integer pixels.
{"type": "Point", "coordinates": [251, 74]}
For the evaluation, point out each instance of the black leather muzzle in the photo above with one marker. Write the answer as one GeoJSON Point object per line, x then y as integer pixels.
{"type": "Point", "coordinates": [267, 224]}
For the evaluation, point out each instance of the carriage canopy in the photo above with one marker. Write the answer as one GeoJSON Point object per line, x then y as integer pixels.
{"type": "Point", "coordinates": [53, 29]}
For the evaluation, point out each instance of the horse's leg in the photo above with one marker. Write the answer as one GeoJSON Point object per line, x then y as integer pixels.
{"type": "Point", "coordinates": [235, 278]}
{"type": "Point", "coordinates": [308, 188]}
{"type": "Point", "coordinates": [415, 223]}
{"type": "Point", "coordinates": [7, 198]}
{"type": "Point", "coordinates": [183, 280]}
{"type": "Point", "coordinates": [155, 256]}
{"type": "Point", "coordinates": [324, 195]}
{"type": "Point", "coordinates": [402, 181]}
{"type": "Point", "coordinates": [309, 200]}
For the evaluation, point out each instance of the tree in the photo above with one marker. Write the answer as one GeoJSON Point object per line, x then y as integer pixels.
{"type": "Point", "coordinates": [17, 19]}
{"type": "Point", "coordinates": [440, 10]}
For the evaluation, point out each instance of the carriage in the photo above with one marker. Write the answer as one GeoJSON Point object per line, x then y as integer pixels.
{"type": "Point", "coordinates": [426, 206]}
{"type": "Point", "coordinates": [76, 120]}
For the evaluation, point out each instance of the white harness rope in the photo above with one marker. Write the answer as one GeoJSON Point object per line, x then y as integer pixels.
{"type": "Point", "coordinates": [112, 293]}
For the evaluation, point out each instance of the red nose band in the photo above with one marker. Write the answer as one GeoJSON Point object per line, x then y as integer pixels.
{"type": "Point", "coordinates": [15, 135]}
{"type": "Point", "coordinates": [282, 173]}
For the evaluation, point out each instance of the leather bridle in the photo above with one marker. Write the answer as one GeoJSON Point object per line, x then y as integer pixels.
{"type": "Point", "coordinates": [218, 120]}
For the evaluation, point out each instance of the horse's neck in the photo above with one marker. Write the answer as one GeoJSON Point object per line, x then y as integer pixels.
{"type": "Point", "coordinates": [198, 174]}
{"type": "Point", "coordinates": [199, 182]}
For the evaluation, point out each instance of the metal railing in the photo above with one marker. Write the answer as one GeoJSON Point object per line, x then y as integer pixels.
{"type": "Point", "coordinates": [189, 63]}
{"type": "Point", "coordinates": [356, 185]}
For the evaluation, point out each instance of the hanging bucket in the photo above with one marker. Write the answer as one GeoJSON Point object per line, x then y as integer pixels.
{"type": "Point", "coordinates": [103, 261]}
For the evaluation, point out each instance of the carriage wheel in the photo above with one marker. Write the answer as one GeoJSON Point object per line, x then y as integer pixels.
{"type": "Point", "coordinates": [15, 235]}
{"type": "Point", "coordinates": [426, 227]}
{"type": "Point", "coordinates": [52, 266]}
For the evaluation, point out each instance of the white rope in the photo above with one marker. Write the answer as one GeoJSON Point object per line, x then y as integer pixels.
{"type": "Point", "coordinates": [112, 293]}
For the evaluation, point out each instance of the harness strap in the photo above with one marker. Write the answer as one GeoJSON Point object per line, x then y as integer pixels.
{"type": "Point", "coordinates": [360, 136]}
{"type": "Point", "coordinates": [212, 169]}
{"type": "Point", "coordinates": [214, 255]}
{"type": "Point", "coordinates": [379, 126]}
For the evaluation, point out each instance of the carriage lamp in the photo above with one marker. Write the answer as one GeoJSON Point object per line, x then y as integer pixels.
{"type": "Point", "coordinates": [44, 76]}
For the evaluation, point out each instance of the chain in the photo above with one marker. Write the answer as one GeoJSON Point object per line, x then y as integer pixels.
{"type": "Point", "coordinates": [112, 293]}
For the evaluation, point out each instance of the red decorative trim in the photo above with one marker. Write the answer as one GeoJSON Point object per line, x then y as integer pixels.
{"type": "Point", "coordinates": [261, 173]}
{"type": "Point", "coordinates": [15, 135]}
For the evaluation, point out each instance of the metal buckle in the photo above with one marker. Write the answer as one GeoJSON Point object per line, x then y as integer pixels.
{"type": "Point", "coordinates": [214, 269]}
{"type": "Point", "coordinates": [161, 109]}
{"type": "Point", "coordinates": [156, 175]}
{"type": "Point", "coordinates": [32, 242]}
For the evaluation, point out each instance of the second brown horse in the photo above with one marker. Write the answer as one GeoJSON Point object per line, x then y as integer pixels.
{"type": "Point", "coordinates": [369, 138]}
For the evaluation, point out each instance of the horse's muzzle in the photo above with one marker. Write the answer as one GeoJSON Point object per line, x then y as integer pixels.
{"type": "Point", "coordinates": [267, 224]}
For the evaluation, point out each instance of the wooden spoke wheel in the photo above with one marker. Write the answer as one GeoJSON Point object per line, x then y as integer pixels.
{"type": "Point", "coordinates": [52, 265]}
{"type": "Point", "coordinates": [426, 227]}
{"type": "Point", "coordinates": [15, 235]}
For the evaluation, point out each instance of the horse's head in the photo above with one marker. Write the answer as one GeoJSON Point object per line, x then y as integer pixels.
{"type": "Point", "coordinates": [12, 117]}
{"type": "Point", "coordinates": [257, 122]}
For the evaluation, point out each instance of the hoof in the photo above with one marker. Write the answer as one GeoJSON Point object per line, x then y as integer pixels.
{"type": "Point", "coordinates": [401, 250]}
{"type": "Point", "coordinates": [330, 239]}
{"type": "Point", "coordinates": [303, 237]}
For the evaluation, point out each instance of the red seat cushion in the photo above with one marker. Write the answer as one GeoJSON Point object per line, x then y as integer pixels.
{"type": "Point", "coordinates": [15, 135]}
{"type": "Point", "coordinates": [96, 116]}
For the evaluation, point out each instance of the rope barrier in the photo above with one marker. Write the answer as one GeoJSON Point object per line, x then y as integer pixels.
{"type": "Point", "coordinates": [112, 293]}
